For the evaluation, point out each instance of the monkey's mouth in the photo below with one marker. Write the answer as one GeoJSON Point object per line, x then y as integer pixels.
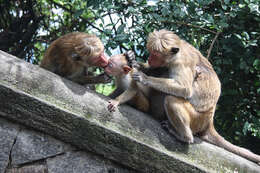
{"type": "Point", "coordinates": [108, 65]}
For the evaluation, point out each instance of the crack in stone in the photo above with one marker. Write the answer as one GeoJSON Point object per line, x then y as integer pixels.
{"type": "Point", "coordinates": [10, 152]}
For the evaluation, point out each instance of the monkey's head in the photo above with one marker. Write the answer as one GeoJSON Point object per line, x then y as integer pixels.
{"type": "Point", "coordinates": [117, 65]}
{"type": "Point", "coordinates": [90, 51]}
{"type": "Point", "coordinates": [163, 45]}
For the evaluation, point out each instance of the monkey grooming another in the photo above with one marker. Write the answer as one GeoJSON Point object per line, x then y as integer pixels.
{"type": "Point", "coordinates": [120, 66]}
{"type": "Point", "coordinates": [190, 92]}
{"type": "Point", "coordinates": [70, 56]}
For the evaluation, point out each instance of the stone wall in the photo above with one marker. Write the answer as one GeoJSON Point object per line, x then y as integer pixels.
{"type": "Point", "coordinates": [25, 150]}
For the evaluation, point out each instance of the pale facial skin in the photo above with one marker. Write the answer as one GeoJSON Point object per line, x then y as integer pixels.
{"type": "Point", "coordinates": [99, 61]}
{"type": "Point", "coordinates": [156, 59]}
{"type": "Point", "coordinates": [115, 67]}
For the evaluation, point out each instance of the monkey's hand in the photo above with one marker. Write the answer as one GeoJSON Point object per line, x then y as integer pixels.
{"type": "Point", "coordinates": [112, 105]}
{"type": "Point", "coordinates": [105, 78]}
{"type": "Point", "coordinates": [139, 77]}
{"type": "Point", "coordinates": [136, 65]}
{"type": "Point", "coordinates": [130, 55]}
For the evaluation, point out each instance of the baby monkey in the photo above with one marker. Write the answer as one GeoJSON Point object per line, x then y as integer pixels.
{"type": "Point", "coordinates": [121, 66]}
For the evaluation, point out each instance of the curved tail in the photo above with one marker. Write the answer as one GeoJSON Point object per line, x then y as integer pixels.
{"type": "Point", "coordinates": [213, 137]}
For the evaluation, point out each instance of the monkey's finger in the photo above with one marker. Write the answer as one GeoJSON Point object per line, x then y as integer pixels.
{"type": "Point", "coordinates": [130, 54]}
{"type": "Point", "coordinates": [136, 65]}
{"type": "Point", "coordinates": [108, 80]}
{"type": "Point", "coordinates": [136, 78]}
{"type": "Point", "coordinates": [110, 105]}
{"type": "Point", "coordinates": [110, 109]}
{"type": "Point", "coordinates": [135, 74]}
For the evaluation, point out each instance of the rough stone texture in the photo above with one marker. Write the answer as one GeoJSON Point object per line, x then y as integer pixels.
{"type": "Point", "coordinates": [83, 163]}
{"type": "Point", "coordinates": [8, 133]}
{"type": "Point", "coordinates": [31, 146]}
{"type": "Point", "coordinates": [58, 107]}
{"type": "Point", "coordinates": [35, 168]}
{"type": "Point", "coordinates": [35, 152]}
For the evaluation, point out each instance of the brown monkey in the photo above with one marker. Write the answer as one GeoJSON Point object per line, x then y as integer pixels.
{"type": "Point", "coordinates": [70, 56]}
{"type": "Point", "coordinates": [190, 92]}
{"type": "Point", "coordinates": [127, 89]}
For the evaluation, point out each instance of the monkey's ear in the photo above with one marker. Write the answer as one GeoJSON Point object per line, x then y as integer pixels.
{"type": "Point", "coordinates": [126, 69]}
{"type": "Point", "coordinates": [75, 57]}
{"type": "Point", "coordinates": [174, 50]}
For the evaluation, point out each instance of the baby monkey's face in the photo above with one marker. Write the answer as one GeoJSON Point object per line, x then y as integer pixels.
{"type": "Point", "coordinates": [117, 65]}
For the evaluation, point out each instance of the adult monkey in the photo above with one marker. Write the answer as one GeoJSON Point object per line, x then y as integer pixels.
{"type": "Point", "coordinates": [191, 91]}
{"type": "Point", "coordinates": [70, 56]}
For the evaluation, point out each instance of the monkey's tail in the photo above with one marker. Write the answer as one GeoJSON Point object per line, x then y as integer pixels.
{"type": "Point", "coordinates": [213, 137]}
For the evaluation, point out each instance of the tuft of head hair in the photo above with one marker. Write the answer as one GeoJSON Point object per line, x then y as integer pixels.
{"type": "Point", "coordinates": [89, 45]}
{"type": "Point", "coordinates": [162, 41]}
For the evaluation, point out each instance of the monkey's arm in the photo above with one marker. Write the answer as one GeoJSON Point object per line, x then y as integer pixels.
{"type": "Point", "coordinates": [82, 79]}
{"type": "Point", "coordinates": [122, 98]}
{"type": "Point", "coordinates": [144, 67]}
{"type": "Point", "coordinates": [126, 95]}
{"type": "Point", "coordinates": [179, 84]}
{"type": "Point", "coordinates": [116, 93]}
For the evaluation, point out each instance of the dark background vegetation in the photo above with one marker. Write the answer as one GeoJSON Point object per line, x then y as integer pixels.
{"type": "Point", "coordinates": [225, 31]}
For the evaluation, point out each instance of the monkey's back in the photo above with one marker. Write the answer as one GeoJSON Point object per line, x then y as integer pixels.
{"type": "Point", "coordinates": [58, 56]}
{"type": "Point", "coordinates": [206, 87]}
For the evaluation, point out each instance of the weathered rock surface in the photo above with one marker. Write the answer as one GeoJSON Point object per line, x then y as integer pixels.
{"type": "Point", "coordinates": [30, 151]}
{"type": "Point", "coordinates": [83, 163]}
{"type": "Point", "coordinates": [8, 133]}
{"type": "Point", "coordinates": [34, 168]}
{"type": "Point", "coordinates": [69, 112]}
{"type": "Point", "coordinates": [31, 146]}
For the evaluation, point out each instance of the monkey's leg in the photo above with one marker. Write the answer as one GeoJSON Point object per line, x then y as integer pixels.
{"type": "Point", "coordinates": [179, 118]}
{"type": "Point", "coordinates": [141, 102]}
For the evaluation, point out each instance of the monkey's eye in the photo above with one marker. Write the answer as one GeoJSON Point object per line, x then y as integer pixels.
{"type": "Point", "coordinates": [174, 50]}
{"type": "Point", "coordinates": [110, 65]}
{"type": "Point", "coordinates": [75, 57]}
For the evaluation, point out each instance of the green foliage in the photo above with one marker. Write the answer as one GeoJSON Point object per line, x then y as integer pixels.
{"type": "Point", "coordinates": [125, 24]}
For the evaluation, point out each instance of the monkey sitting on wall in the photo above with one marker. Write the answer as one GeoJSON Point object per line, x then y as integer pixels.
{"type": "Point", "coordinates": [121, 66]}
{"type": "Point", "coordinates": [190, 94]}
{"type": "Point", "coordinates": [70, 56]}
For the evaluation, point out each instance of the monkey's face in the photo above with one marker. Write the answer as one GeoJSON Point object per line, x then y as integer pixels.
{"type": "Point", "coordinates": [156, 59]}
{"type": "Point", "coordinates": [117, 66]}
{"type": "Point", "coordinates": [98, 61]}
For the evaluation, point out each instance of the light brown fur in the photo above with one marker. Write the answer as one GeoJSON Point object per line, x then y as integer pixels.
{"type": "Point", "coordinates": [190, 92]}
{"type": "Point", "coordinates": [71, 55]}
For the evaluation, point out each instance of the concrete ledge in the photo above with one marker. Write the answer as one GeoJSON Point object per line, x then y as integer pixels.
{"type": "Point", "coordinates": [46, 102]}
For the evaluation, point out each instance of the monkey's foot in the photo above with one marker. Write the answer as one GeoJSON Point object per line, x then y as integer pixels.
{"type": "Point", "coordinates": [185, 137]}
